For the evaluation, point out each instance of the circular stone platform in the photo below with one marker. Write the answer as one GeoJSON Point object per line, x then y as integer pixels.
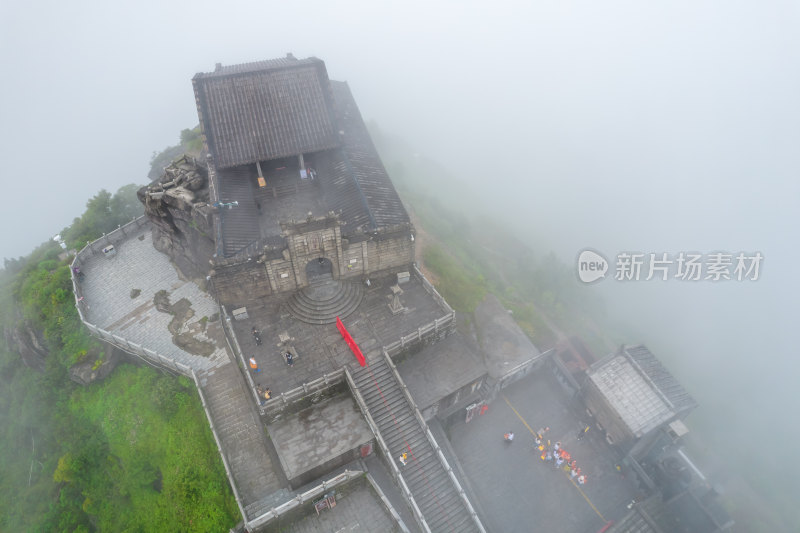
{"type": "Point", "coordinates": [325, 299]}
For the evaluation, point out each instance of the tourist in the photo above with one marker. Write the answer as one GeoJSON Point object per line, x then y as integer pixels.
{"type": "Point", "coordinates": [263, 394]}
{"type": "Point", "coordinates": [254, 365]}
{"type": "Point", "coordinates": [582, 479]}
{"type": "Point", "coordinates": [403, 458]}
{"type": "Point", "coordinates": [289, 359]}
{"type": "Point", "coordinates": [509, 437]}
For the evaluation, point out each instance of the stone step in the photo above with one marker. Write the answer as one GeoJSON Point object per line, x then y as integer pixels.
{"type": "Point", "coordinates": [323, 302]}
{"type": "Point", "coordinates": [401, 430]}
{"type": "Point", "coordinates": [344, 296]}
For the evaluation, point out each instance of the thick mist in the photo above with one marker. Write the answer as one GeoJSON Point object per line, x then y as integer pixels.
{"type": "Point", "coordinates": [620, 126]}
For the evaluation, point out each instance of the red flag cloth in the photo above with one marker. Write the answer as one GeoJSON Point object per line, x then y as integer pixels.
{"type": "Point", "coordinates": [350, 342]}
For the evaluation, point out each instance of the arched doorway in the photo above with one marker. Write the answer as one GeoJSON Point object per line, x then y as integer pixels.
{"type": "Point", "coordinates": [318, 269]}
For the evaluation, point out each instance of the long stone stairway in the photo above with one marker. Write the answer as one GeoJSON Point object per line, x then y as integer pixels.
{"type": "Point", "coordinates": [431, 487]}
{"type": "Point", "coordinates": [240, 224]}
{"type": "Point", "coordinates": [243, 438]}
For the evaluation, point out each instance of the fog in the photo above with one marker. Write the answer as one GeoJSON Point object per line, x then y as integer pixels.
{"type": "Point", "coordinates": [620, 126]}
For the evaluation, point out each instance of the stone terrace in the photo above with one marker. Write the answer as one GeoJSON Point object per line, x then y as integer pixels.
{"type": "Point", "coordinates": [321, 349]}
{"type": "Point", "coordinates": [520, 492]}
{"type": "Point", "coordinates": [107, 286]}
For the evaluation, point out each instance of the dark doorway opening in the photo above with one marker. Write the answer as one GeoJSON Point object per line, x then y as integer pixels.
{"type": "Point", "coordinates": [320, 268]}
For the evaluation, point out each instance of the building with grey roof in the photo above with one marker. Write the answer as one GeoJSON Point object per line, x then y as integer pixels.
{"type": "Point", "coordinates": [631, 395]}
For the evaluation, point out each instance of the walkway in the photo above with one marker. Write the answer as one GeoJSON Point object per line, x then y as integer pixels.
{"type": "Point", "coordinates": [243, 439]}
{"type": "Point", "coordinates": [119, 292]}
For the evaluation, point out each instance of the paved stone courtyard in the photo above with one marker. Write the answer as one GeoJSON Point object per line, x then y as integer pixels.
{"type": "Point", "coordinates": [321, 349]}
{"type": "Point", "coordinates": [107, 286]}
{"type": "Point", "coordinates": [520, 492]}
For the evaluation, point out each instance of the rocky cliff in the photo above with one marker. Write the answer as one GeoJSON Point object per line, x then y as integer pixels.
{"type": "Point", "coordinates": [182, 220]}
{"type": "Point", "coordinates": [28, 343]}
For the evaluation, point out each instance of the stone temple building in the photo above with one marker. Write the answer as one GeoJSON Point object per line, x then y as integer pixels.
{"type": "Point", "coordinates": [297, 190]}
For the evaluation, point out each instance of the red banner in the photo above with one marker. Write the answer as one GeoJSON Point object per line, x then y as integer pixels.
{"type": "Point", "coordinates": [350, 342]}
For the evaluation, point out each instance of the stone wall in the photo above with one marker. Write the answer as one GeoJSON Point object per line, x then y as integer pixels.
{"type": "Point", "coordinates": [241, 281]}
{"type": "Point", "coordinates": [240, 284]}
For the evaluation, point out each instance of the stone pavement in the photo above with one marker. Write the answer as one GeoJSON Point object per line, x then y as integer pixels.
{"type": "Point", "coordinates": [107, 286]}
{"type": "Point", "coordinates": [243, 437]}
{"type": "Point", "coordinates": [358, 509]}
{"type": "Point", "coordinates": [320, 347]}
{"type": "Point", "coordinates": [517, 490]}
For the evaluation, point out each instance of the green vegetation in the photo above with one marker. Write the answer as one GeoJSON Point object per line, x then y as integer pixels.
{"type": "Point", "coordinates": [104, 213]}
{"type": "Point", "coordinates": [462, 288]}
{"type": "Point", "coordinates": [191, 142]}
{"type": "Point", "coordinates": [133, 453]}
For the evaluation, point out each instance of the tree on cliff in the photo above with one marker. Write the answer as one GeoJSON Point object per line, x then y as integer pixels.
{"type": "Point", "coordinates": [104, 213]}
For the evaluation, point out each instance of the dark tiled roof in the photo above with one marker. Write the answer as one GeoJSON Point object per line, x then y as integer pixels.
{"type": "Point", "coordinates": [665, 382]}
{"type": "Point", "coordinates": [265, 110]}
{"type": "Point", "coordinates": [370, 183]}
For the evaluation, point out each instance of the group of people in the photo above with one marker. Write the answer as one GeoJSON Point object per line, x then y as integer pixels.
{"type": "Point", "coordinates": [560, 457]}
{"type": "Point", "coordinates": [287, 355]}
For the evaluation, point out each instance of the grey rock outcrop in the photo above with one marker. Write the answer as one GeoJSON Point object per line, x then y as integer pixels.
{"type": "Point", "coordinates": [87, 372]}
{"type": "Point", "coordinates": [182, 220]}
{"type": "Point", "coordinates": [29, 343]}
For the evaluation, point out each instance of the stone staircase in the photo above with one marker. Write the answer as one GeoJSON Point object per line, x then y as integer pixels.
{"type": "Point", "coordinates": [431, 487]}
{"type": "Point", "coordinates": [242, 436]}
{"type": "Point", "coordinates": [325, 299]}
{"type": "Point", "coordinates": [240, 225]}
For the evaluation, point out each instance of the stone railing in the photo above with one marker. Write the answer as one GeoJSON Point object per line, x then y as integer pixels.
{"type": "Point", "coordinates": [387, 504]}
{"type": "Point", "coordinates": [149, 356]}
{"type": "Point", "coordinates": [273, 408]}
{"type": "Point", "coordinates": [233, 344]}
{"type": "Point", "coordinates": [219, 445]}
{"type": "Point", "coordinates": [435, 445]}
{"type": "Point", "coordinates": [432, 331]}
{"type": "Point", "coordinates": [398, 477]}
{"type": "Point", "coordinates": [118, 235]}
{"type": "Point", "coordinates": [432, 290]}
{"type": "Point", "coordinates": [523, 369]}
{"type": "Point", "coordinates": [302, 499]}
